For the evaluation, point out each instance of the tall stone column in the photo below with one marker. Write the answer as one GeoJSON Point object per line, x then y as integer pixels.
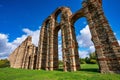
{"type": "Point", "coordinates": [51, 49]}
{"type": "Point", "coordinates": [42, 48]}
{"type": "Point", "coordinates": [70, 51]}
{"type": "Point", "coordinates": [49, 26]}
{"type": "Point", "coordinates": [71, 43]}
{"type": "Point", "coordinates": [106, 45]}
{"type": "Point", "coordinates": [65, 50]}
{"type": "Point", "coordinates": [74, 47]}
{"type": "Point", "coordinates": [48, 50]}
{"type": "Point", "coordinates": [51, 45]}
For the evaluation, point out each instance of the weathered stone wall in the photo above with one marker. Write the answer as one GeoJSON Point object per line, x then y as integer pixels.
{"type": "Point", "coordinates": [24, 55]}
{"type": "Point", "coordinates": [106, 45]}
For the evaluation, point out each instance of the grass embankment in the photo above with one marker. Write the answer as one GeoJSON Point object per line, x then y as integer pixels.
{"type": "Point", "coordinates": [88, 72]}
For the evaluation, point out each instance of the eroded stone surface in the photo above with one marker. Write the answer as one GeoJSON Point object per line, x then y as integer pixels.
{"type": "Point", "coordinates": [24, 56]}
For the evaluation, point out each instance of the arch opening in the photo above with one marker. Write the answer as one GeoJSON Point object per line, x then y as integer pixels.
{"type": "Point", "coordinates": [58, 57]}
{"type": "Point", "coordinates": [58, 19]}
{"type": "Point", "coordinates": [29, 60]}
{"type": "Point", "coordinates": [86, 47]}
{"type": "Point", "coordinates": [35, 59]}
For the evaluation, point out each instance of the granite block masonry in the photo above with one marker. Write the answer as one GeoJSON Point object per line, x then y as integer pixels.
{"type": "Point", "coordinates": [46, 55]}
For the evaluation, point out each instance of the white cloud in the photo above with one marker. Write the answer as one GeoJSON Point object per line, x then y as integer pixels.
{"type": "Point", "coordinates": [60, 51]}
{"type": "Point", "coordinates": [84, 39]}
{"type": "Point", "coordinates": [83, 54]}
{"type": "Point", "coordinates": [7, 47]}
{"type": "Point", "coordinates": [60, 45]}
{"type": "Point", "coordinates": [91, 49]}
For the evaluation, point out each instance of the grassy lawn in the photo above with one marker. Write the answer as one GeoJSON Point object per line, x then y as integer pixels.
{"type": "Point", "coordinates": [88, 72]}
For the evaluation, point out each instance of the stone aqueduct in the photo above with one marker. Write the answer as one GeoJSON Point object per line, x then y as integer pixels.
{"type": "Point", "coordinates": [45, 56]}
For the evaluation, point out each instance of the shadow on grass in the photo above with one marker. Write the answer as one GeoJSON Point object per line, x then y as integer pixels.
{"type": "Point", "coordinates": [86, 70]}
{"type": "Point", "coordinates": [59, 70]}
{"type": "Point", "coordinates": [90, 70]}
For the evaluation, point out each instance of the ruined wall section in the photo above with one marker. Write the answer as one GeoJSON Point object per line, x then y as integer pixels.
{"type": "Point", "coordinates": [23, 56]}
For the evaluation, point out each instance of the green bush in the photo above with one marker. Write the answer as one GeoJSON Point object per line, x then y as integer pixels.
{"type": "Point", "coordinates": [60, 62]}
{"type": "Point", "coordinates": [93, 61]}
{"type": "Point", "coordinates": [82, 61]}
{"type": "Point", "coordinates": [87, 60]}
{"type": "Point", "coordinates": [4, 63]}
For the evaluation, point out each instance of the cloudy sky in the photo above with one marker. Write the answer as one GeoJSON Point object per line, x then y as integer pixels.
{"type": "Point", "coordinates": [20, 18]}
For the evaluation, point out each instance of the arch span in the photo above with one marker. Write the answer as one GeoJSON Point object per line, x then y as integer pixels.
{"type": "Point", "coordinates": [70, 54]}
{"type": "Point", "coordinates": [102, 37]}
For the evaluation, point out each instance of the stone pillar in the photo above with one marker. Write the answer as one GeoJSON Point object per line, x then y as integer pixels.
{"type": "Point", "coordinates": [74, 47]}
{"type": "Point", "coordinates": [51, 45]}
{"type": "Point", "coordinates": [65, 53]}
{"type": "Point", "coordinates": [70, 55]}
{"type": "Point", "coordinates": [48, 44]}
{"type": "Point", "coordinates": [42, 48]}
{"type": "Point", "coordinates": [70, 51]}
{"type": "Point", "coordinates": [106, 45]}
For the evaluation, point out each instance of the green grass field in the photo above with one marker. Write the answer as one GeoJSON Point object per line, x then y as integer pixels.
{"type": "Point", "coordinates": [88, 72]}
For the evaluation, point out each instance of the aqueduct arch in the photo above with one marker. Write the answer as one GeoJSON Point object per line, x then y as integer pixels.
{"type": "Point", "coordinates": [46, 55]}
{"type": "Point", "coordinates": [106, 45]}
{"type": "Point", "coordinates": [69, 44]}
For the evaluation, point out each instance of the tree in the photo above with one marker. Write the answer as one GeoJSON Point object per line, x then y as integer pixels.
{"type": "Point", "coordinates": [93, 58]}
{"type": "Point", "coordinates": [89, 60]}
{"type": "Point", "coordinates": [92, 55]}
{"type": "Point", "coordinates": [82, 61]}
